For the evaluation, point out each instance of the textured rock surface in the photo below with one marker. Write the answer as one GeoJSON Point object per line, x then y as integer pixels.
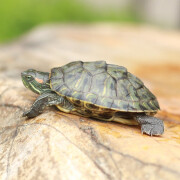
{"type": "Point", "coordinates": [56, 145]}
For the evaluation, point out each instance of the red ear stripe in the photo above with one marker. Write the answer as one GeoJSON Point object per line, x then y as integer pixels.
{"type": "Point", "coordinates": [39, 80]}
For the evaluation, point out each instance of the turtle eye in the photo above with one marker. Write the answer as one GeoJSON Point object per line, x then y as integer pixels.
{"type": "Point", "coordinates": [28, 77]}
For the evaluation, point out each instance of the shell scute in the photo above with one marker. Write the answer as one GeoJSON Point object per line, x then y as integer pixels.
{"type": "Point", "coordinates": [64, 90]}
{"type": "Point", "coordinates": [120, 104]}
{"type": "Point", "coordinates": [123, 89]}
{"type": "Point", "coordinates": [117, 72]}
{"type": "Point", "coordinates": [104, 101]}
{"type": "Point", "coordinates": [77, 95]}
{"type": "Point", "coordinates": [136, 82]}
{"type": "Point", "coordinates": [71, 66]}
{"type": "Point", "coordinates": [96, 67]}
{"type": "Point", "coordinates": [104, 85]}
{"type": "Point", "coordinates": [132, 96]}
{"type": "Point", "coordinates": [98, 81]}
{"type": "Point", "coordinates": [56, 73]}
{"type": "Point", "coordinates": [90, 97]}
{"type": "Point", "coordinates": [152, 104]}
{"type": "Point", "coordinates": [132, 107]}
{"type": "Point", "coordinates": [156, 104]}
{"type": "Point", "coordinates": [144, 105]}
{"type": "Point", "coordinates": [145, 94]}
{"type": "Point", "coordinates": [77, 80]}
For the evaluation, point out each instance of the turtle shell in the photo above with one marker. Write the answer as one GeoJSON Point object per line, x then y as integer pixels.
{"type": "Point", "coordinates": [98, 84]}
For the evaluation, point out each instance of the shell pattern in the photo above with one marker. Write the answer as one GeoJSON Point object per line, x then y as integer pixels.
{"type": "Point", "coordinates": [98, 84]}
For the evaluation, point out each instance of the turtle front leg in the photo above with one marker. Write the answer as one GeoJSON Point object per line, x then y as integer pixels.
{"type": "Point", "coordinates": [47, 99]}
{"type": "Point", "coordinates": [150, 125]}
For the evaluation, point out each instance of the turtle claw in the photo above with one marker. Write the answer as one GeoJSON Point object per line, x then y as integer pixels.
{"type": "Point", "coordinates": [25, 114]}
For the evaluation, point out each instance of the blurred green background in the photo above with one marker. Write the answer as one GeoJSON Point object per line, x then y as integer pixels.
{"type": "Point", "coordinates": [19, 16]}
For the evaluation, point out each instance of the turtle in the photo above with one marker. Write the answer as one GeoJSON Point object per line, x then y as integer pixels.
{"type": "Point", "coordinates": [97, 90]}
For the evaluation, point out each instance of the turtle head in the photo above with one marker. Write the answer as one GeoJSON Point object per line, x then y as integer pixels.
{"type": "Point", "coordinates": [36, 81]}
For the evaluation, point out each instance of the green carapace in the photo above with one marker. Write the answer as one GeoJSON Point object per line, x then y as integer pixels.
{"type": "Point", "coordinates": [95, 89]}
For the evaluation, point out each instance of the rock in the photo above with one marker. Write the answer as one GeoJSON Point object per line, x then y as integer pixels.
{"type": "Point", "coordinates": [57, 145]}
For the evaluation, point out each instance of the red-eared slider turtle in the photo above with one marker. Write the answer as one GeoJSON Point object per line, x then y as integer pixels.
{"type": "Point", "coordinates": [95, 89]}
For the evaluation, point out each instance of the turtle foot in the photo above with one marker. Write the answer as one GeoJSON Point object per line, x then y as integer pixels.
{"type": "Point", "coordinates": [152, 129]}
{"type": "Point", "coordinates": [150, 125]}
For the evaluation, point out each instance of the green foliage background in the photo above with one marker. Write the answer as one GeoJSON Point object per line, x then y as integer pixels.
{"type": "Point", "coordinates": [19, 16]}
